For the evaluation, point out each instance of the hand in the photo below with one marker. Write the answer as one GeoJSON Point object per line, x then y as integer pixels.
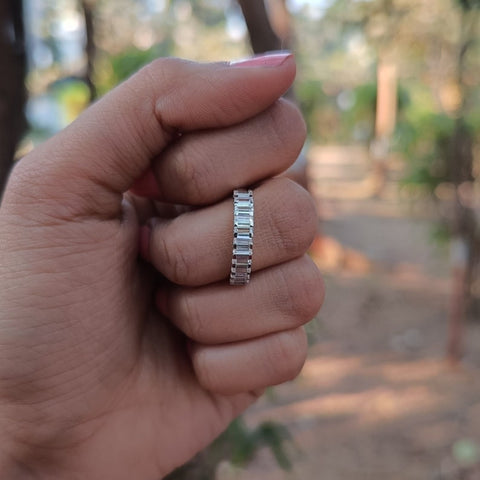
{"type": "Point", "coordinates": [112, 367]}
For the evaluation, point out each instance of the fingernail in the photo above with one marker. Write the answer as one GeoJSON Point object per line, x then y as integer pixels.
{"type": "Point", "coordinates": [144, 242]}
{"type": "Point", "coordinates": [270, 59]}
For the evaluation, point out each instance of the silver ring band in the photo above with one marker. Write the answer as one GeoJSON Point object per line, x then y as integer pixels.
{"type": "Point", "coordinates": [242, 237]}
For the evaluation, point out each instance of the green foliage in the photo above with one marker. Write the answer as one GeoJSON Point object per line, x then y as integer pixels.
{"type": "Point", "coordinates": [245, 443]}
{"type": "Point", "coordinates": [403, 99]}
{"type": "Point", "coordinates": [274, 436]}
{"type": "Point", "coordinates": [238, 445]}
{"type": "Point", "coordinates": [440, 234]}
{"type": "Point", "coordinates": [128, 62]}
{"type": "Point", "coordinates": [468, 5]}
{"type": "Point", "coordinates": [424, 140]}
{"type": "Point", "coordinates": [73, 96]}
{"type": "Point", "coordinates": [327, 121]}
{"type": "Point", "coordinates": [343, 115]}
{"type": "Point", "coordinates": [466, 452]}
{"type": "Point", "coordinates": [241, 442]}
{"type": "Point", "coordinates": [366, 99]}
{"type": "Point", "coordinates": [113, 69]}
{"type": "Point", "coordinates": [312, 99]}
{"type": "Point", "coordinates": [209, 12]}
{"type": "Point", "coordinates": [360, 118]}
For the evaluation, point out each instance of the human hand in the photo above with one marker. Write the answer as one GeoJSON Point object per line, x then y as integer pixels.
{"type": "Point", "coordinates": [112, 367]}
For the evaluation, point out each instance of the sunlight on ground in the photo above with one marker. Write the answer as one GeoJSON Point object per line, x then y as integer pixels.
{"type": "Point", "coordinates": [386, 391]}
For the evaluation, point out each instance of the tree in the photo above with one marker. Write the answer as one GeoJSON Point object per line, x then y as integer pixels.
{"type": "Point", "coordinates": [12, 86]}
{"type": "Point", "coordinates": [438, 131]}
{"type": "Point", "coordinates": [464, 227]}
{"type": "Point", "coordinates": [270, 29]}
{"type": "Point", "coordinates": [262, 36]}
{"type": "Point", "coordinates": [87, 7]}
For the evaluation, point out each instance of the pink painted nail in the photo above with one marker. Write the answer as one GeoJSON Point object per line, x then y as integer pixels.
{"type": "Point", "coordinates": [271, 59]}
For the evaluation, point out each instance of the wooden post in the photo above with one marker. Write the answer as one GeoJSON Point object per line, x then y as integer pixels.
{"type": "Point", "coordinates": [459, 254]}
{"type": "Point", "coordinates": [386, 115]}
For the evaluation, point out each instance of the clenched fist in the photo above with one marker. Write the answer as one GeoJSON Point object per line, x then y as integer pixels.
{"type": "Point", "coordinates": [123, 348]}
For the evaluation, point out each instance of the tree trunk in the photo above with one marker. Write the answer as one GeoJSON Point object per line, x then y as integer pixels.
{"type": "Point", "coordinates": [12, 83]}
{"type": "Point", "coordinates": [262, 36]}
{"type": "Point", "coordinates": [464, 225]}
{"type": "Point", "coordinates": [269, 33]}
{"type": "Point", "coordinates": [90, 47]}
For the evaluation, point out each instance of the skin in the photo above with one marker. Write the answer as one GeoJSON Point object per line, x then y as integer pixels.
{"type": "Point", "coordinates": [122, 364]}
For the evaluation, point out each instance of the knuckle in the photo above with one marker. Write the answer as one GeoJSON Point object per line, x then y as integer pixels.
{"type": "Point", "coordinates": [288, 129]}
{"type": "Point", "coordinates": [20, 184]}
{"type": "Point", "coordinates": [25, 178]}
{"type": "Point", "coordinates": [194, 176]}
{"type": "Point", "coordinates": [205, 370]}
{"type": "Point", "coordinates": [174, 259]}
{"type": "Point", "coordinates": [163, 69]}
{"type": "Point", "coordinates": [162, 77]}
{"type": "Point", "coordinates": [288, 353]}
{"type": "Point", "coordinates": [188, 317]}
{"type": "Point", "coordinates": [304, 291]}
{"type": "Point", "coordinates": [32, 189]}
{"type": "Point", "coordinates": [294, 223]}
{"type": "Point", "coordinates": [20, 170]}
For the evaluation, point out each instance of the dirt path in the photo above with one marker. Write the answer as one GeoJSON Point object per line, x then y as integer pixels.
{"type": "Point", "coordinates": [375, 399]}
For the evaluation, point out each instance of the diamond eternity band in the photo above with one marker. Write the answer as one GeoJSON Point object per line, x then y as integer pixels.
{"type": "Point", "coordinates": [242, 237]}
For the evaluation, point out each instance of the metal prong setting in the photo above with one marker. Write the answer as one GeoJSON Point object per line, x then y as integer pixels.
{"type": "Point", "coordinates": [242, 237]}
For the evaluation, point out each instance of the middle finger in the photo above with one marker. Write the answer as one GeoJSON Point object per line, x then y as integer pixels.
{"type": "Point", "coordinates": [203, 167]}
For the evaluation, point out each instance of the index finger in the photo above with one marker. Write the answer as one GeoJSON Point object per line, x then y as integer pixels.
{"type": "Point", "coordinates": [85, 169]}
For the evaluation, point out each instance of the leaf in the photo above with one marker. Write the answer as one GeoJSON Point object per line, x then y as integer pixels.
{"type": "Point", "coordinates": [466, 452]}
{"type": "Point", "coordinates": [468, 5]}
{"type": "Point", "coordinates": [274, 436]}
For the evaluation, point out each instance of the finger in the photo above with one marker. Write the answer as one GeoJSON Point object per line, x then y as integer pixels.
{"type": "Point", "coordinates": [196, 248]}
{"type": "Point", "coordinates": [204, 167]}
{"type": "Point", "coordinates": [243, 366]}
{"type": "Point", "coordinates": [84, 170]}
{"type": "Point", "coordinates": [280, 298]}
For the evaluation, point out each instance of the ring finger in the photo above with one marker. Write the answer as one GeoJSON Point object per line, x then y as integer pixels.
{"type": "Point", "coordinates": [196, 248]}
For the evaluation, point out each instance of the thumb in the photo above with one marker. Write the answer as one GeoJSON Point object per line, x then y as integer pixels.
{"type": "Point", "coordinates": [85, 169]}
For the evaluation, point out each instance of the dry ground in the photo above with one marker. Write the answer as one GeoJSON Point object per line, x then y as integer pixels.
{"type": "Point", "coordinates": [376, 400]}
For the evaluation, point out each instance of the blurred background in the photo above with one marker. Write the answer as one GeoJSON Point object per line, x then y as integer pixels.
{"type": "Point", "coordinates": [390, 92]}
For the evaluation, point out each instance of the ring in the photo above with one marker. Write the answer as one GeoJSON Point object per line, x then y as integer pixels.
{"type": "Point", "coordinates": [242, 237]}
